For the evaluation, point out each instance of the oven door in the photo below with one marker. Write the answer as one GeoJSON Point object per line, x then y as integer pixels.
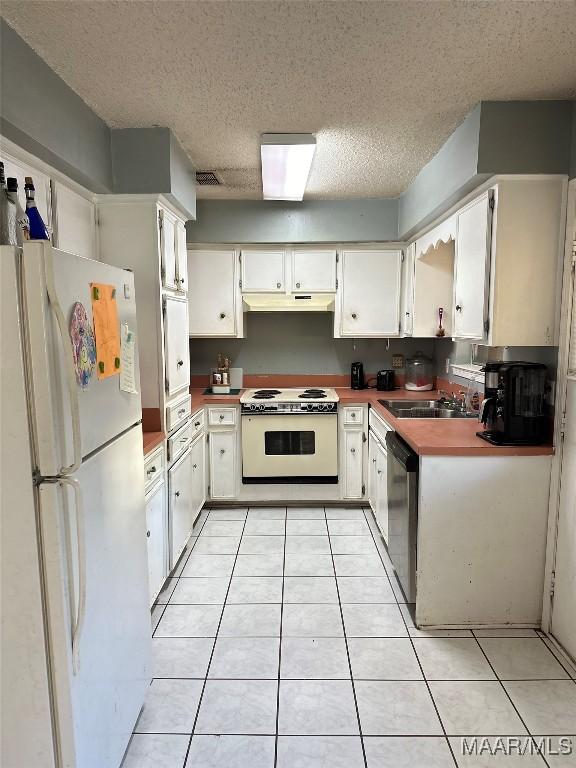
{"type": "Point", "coordinates": [290, 448]}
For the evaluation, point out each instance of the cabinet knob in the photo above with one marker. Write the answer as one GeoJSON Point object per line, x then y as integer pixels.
{"type": "Point", "coordinates": [177, 494]}
{"type": "Point", "coordinates": [151, 471]}
{"type": "Point", "coordinates": [196, 423]}
{"type": "Point", "coordinates": [373, 461]}
{"type": "Point", "coordinates": [221, 417]}
{"type": "Point", "coordinates": [352, 415]}
{"type": "Point", "coordinates": [222, 315]}
{"type": "Point", "coordinates": [354, 315]}
{"type": "Point", "coordinates": [278, 285]}
{"type": "Point", "coordinates": [182, 411]}
{"type": "Point", "coordinates": [179, 363]}
{"type": "Point", "coordinates": [222, 451]}
{"type": "Point", "coordinates": [297, 285]}
{"type": "Point", "coordinates": [352, 450]}
{"type": "Point", "coordinates": [194, 466]}
{"type": "Point", "coordinates": [407, 314]}
{"type": "Point", "coordinates": [458, 308]}
{"type": "Point", "coordinates": [182, 280]}
{"type": "Point", "coordinates": [148, 534]}
{"type": "Point", "coordinates": [184, 440]}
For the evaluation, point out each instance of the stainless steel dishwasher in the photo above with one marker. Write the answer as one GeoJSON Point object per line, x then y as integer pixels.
{"type": "Point", "coordinates": [402, 512]}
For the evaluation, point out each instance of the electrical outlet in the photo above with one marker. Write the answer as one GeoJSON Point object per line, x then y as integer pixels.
{"type": "Point", "coordinates": [397, 361]}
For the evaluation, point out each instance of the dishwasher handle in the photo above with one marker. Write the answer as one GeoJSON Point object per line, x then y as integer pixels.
{"type": "Point", "coordinates": [402, 452]}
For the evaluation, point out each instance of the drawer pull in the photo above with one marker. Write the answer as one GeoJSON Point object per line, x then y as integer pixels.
{"type": "Point", "coordinates": [179, 363]}
{"type": "Point", "coordinates": [151, 471]}
{"type": "Point", "coordinates": [278, 285]}
{"type": "Point", "coordinates": [196, 423]}
{"type": "Point", "coordinates": [184, 440]}
{"type": "Point", "coordinates": [222, 315]}
{"type": "Point", "coordinates": [177, 494]}
{"type": "Point", "coordinates": [297, 285]}
{"type": "Point", "coordinates": [221, 417]}
{"type": "Point", "coordinates": [354, 315]}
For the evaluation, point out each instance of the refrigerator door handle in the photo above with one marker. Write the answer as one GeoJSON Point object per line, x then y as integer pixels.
{"type": "Point", "coordinates": [69, 366]}
{"type": "Point", "coordinates": [81, 543]}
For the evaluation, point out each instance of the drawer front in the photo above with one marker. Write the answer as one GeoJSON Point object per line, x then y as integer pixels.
{"type": "Point", "coordinates": [353, 416]}
{"type": "Point", "coordinates": [179, 441]}
{"type": "Point", "coordinates": [178, 412]}
{"type": "Point", "coordinates": [153, 468]}
{"type": "Point", "coordinates": [198, 422]}
{"type": "Point", "coordinates": [378, 425]}
{"type": "Point", "coordinates": [221, 417]}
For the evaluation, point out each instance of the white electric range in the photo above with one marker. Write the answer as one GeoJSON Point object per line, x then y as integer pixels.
{"type": "Point", "coordinates": [289, 435]}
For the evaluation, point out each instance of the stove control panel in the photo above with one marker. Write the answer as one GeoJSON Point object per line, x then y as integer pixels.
{"type": "Point", "coordinates": [279, 408]}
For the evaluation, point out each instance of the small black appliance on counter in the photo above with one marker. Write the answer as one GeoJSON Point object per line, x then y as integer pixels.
{"type": "Point", "coordinates": [514, 409]}
{"type": "Point", "coordinates": [357, 376]}
{"type": "Point", "coordinates": [385, 381]}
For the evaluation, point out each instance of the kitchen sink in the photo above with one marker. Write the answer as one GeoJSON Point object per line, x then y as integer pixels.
{"type": "Point", "coordinates": [424, 409]}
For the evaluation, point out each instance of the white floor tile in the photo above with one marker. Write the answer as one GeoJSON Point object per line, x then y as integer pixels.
{"type": "Point", "coordinates": [238, 706]}
{"type": "Point", "coordinates": [494, 752]}
{"type": "Point", "coordinates": [259, 565]}
{"type": "Point", "coordinates": [320, 752]}
{"type": "Point", "coordinates": [231, 752]}
{"type": "Point", "coordinates": [317, 707]}
{"type": "Point", "coordinates": [344, 513]}
{"type": "Point", "coordinates": [228, 514]}
{"type": "Point", "coordinates": [201, 590]}
{"type": "Point", "coordinates": [265, 528]}
{"type": "Point", "coordinates": [352, 545]}
{"type": "Point", "coordinates": [217, 545]}
{"type": "Point", "coordinates": [255, 589]}
{"type": "Point", "coordinates": [383, 658]}
{"type": "Point", "coordinates": [358, 565]}
{"type": "Point", "coordinates": [310, 589]}
{"type": "Point", "coordinates": [309, 565]}
{"type": "Point", "coordinates": [348, 527]}
{"type": "Point", "coordinates": [354, 589]}
{"type": "Point", "coordinates": [189, 621]}
{"type": "Point", "coordinates": [311, 620]}
{"type": "Point", "coordinates": [166, 592]}
{"type": "Point", "coordinates": [407, 752]}
{"type": "Point", "coordinates": [314, 658]}
{"type": "Point", "coordinates": [199, 565]}
{"type": "Point", "coordinates": [250, 658]}
{"type": "Point", "coordinates": [396, 709]}
{"type": "Point", "coordinates": [377, 620]}
{"type": "Point", "coordinates": [170, 706]}
{"type": "Point", "coordinates": [306, 527]}
{"type": "Point", "coordinates": [250, 621]}
{"type": "Point", "coordinates": [560, 750]}
{"type": "Point", "coordinates": [312, 545]}
{"type": "Point", "coordinates": [181, 656]}
{"type": "Point", "coordinates": [151, 750]}
{"type": "Point", "coordinates": [222, 528]}
{"type": "Point", "coordinates": [452, 658]}
{"type": "Point", "coordinates": [306, 513]}
{"type": "Point", "coordinates": [267, 513]}
{"type": "Point", "coordinates": [522, 659]}
{"type": "Point", "coordinates": [546, 706]}
{"type": "Point", "coordinates": [262, 545]}
{"type": "Point", "coordinates": [475, 708]}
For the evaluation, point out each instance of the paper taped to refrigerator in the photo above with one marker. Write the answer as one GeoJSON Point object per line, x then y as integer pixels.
{"type": "Point", "coordinates": [128, 361]}
{"type": "Point", "coordinates": [106, 329]}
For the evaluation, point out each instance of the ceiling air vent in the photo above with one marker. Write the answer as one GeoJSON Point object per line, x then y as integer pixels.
{"type": "Point", "coordinates": [207, 179]}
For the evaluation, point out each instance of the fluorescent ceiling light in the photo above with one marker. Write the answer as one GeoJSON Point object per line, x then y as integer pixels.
{"type": "Point", "coordinates": [286, 162]}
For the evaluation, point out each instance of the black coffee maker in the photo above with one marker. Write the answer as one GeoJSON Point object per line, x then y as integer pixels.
{"type": "Point", "coordinates": [514, 409]}
{"type": "Point", "coordinates": [357, 376]}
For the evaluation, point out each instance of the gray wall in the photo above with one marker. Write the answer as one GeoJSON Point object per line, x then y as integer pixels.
{"type": "Point", "coordinates": [40, 113]}
{"type": "Point", "coordinates": [182, 178]}
{"type": "Point", "coordinates": [298, 342]}
{"type": "Point", "coordinates": [270, 221]}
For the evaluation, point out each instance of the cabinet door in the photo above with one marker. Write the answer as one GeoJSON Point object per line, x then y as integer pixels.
{"type": "Point", "coordinates": [370, 293]}
{"type": "Point", "coordinates": [155, 532]}
{"type": "Point", "coordinates": [181, 257]}
{"type": "Point", "coordinates": [407, 298]}
{"type": "Point", "coordinates": [198, 473]}
{"type": "Point", "coordinates": [372, 472]}
{"type": "Point", "coordinates": [176, 344]}
{"type": "Point", "coordinates": [168, 248]}
{"type": "Point", "coordinates": [223, 465]}
{"type": "Point", "coordinates": [352, 459]}
{"type": "Point", "coordinates": [472, 269]}
{"type": "Point", "coordinates": [75, 229]}
{"type": "Point", "coordinates": [263, 271]}
{"type": "Point", "coordinates": [212, 293]}
{"type": "Point", "coordinates": [382, 490]}
{"type": "Point", "coordinates": [180, 505]}
{"type": "Point", "coordinates": [314, 271]}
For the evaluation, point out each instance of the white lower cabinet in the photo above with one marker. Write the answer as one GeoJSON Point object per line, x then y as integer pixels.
{"type": "Point", "coordinates": [381, 511]}
{"type": "Point", "coordinates": [352, 449]}
{"type": "Point", "coordinates": [223, 464]}
{"type": "Point", "coordinates": [198, 453]}
{"type": "Point", "coordinates": [156, 538]}
{"type": "Point", "coordinates": [180, 510]}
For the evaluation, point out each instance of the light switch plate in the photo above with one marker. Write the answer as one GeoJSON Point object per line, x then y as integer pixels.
{"type": "Point", "coordinates": [397, 361]}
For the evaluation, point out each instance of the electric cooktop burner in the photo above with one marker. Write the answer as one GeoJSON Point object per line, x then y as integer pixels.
{"type": "Point", "coordinates": [292, 395]}
{"type": "Point", "coordinates": [313, 395]}
{"type": "Point", "coordinates": [267, 392]}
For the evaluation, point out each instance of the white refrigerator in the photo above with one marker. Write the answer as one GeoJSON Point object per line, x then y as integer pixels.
{"type": "Point", "coordinates": [76, 631]}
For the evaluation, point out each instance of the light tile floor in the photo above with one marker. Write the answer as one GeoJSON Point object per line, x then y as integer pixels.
{"type": "Point", "coordinates": [284, 641]}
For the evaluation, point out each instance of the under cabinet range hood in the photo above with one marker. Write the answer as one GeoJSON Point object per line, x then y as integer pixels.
{"type": "Point", "coordinates": [282, 302]}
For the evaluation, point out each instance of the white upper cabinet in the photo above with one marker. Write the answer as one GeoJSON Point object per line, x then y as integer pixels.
{"type": "Point", "coordinates": [177, 352]}
{"type": "Point", "coordinates": [215, 303]}
{"type": "Point", "coordinates": [75, 224]}
{"type": "Point", "coordinates": [407, 297]}
{"type": "Point", "coordinates": [314, 271]}
{"type": "Point", "coordinates": [263, 271]}
{"type": "Point", "coordinates": [472, 266]}
{"type": "Point", "coordinates": [369, 293]}
{"type": "Point", "coordinates": [167, 224]}
{"type": "Point", "coordinates": [181, 257]}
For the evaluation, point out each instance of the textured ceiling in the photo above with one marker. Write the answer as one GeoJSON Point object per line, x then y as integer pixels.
{"type": "Point", "coordinates": [382, 84]}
